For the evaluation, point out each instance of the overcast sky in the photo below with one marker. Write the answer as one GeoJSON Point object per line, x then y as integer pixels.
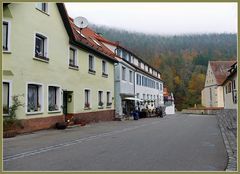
{"type": "Point", "coordinates": [161, 18]}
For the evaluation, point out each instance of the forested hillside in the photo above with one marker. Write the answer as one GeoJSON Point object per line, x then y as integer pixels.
{"type": "Point", "coordinates": [181, 59]}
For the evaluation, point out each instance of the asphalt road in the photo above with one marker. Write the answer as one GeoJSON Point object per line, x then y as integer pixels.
{"type": "Point", "coordinates": [174, 143]}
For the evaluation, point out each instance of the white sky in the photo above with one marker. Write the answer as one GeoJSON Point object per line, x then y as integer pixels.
{"type": "Point", "coordinates": [161, 18]}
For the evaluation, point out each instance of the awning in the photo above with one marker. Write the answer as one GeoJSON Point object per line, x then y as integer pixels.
{"type": "Point", "coordinates": [132, 98]}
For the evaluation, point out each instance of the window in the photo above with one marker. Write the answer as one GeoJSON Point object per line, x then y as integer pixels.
{"type": "Point", "coordinates": [119, 52]}
{"type": "Point", "coordinates": [234, 84]}
{"type": "Point", "coordinates": [73, 57]}
{"type": "Point", "coordinates": [229, 87]}
{"type": "Point", "coordinates": [41, 47]}
{"type": "Point", "coordinates": [91, 64]}
{"type": "Point", "coordinates": [161, 87]}
{"type": "Point", "coordinates": [5, 97]}
{"type": "Point", "coordinates": [123, 73]}
{"type": "Point", "coordinates": [104, 68]}
{"type": "Point", "coordinates": [138, 79]}
{"type": "Point", "coordinates": [109, 103]}
{"type": "Point", "coordinates": [130, 76]}
{"type": "Point", "coordinates": [43, 6]}
{"type": "Point", "coordinates": [143, 96]}
{"type": "Point", "coordinates": [34, 99]}
{"type": "Point", "coordinates": [100, 98]}
{"type": "Point", "coordinates": [139, 63]}
{"type": "Point", "coordinates": [87, 98]}
{"type": "Point", "coordinates": [125, 55]}
{"type": "Point", "coordinates": [5, 36]}
{"type": "Point", "coordinates": [157, 84]}
{"type": "Point", "coordinates": [53, 98]}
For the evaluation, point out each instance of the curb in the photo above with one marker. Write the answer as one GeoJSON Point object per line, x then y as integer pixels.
{"type": "Point", "coordinates": [232, 160]}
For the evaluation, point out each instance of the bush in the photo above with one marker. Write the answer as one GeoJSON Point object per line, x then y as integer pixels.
{"type": "Point", "coordinates": [10, 122]}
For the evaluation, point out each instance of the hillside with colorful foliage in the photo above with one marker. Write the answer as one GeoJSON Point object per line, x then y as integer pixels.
{"type": "Point", "coordinates": [182, 59]}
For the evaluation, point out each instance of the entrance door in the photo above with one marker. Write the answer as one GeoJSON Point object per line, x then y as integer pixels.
{"type": "Point", "coordinates": [65, 102]}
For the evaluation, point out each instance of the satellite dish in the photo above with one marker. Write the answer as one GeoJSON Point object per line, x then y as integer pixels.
{"type": "Point", "coordinates": [81, 22]}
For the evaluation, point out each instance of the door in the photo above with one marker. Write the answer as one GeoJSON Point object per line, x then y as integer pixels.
{"type": "Point", "coordinates": [65, 102]}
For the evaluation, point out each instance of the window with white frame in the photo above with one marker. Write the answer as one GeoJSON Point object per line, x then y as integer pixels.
{"type": "Point", "coordinates": [109, 103]}
{"type": "Point", "coordinates": [104, 67]}
{"type": "Point", "coordinates": [41, 46]}
{"type": "Point", "coordinates": [130, 76]}
{"type": "Point", "coordinates": [34, 99]}
{"type": "Point", "coordinates": [123, 73]}
{"type": "Point", "coordinates": [91, 63]}
{"type": "Point", "coordinates": [5, 35]}
{"type": "Point", "coordinates": [53, 98]}
{"type": "Point", "coordinates": [161, 88]}
{"type": "Point", "coordinates": [43, 6]}
{"type": "Point", "coordinates": [100, 98]}
{"type": "Point", "coordinates": [87, 98]}
{"type": "Point", "coordinates": [6, 97]}
{"type": "Point", "coordinates": [73, 57]}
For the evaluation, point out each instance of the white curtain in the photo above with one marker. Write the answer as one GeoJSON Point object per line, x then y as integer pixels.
{"type": "Point", "coordinates": [32, 97]}
{"type": "Point", "coordinates": [52, 96]}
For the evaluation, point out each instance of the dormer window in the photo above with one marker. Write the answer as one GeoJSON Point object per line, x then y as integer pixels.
{"type": "Point", "coordinates": [139, 63]}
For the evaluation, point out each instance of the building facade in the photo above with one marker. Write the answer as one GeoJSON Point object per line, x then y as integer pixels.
{"type": "Point", "coordinates": [137, 84]}
{"type": "Point", "coordinates": [59, 72]}
{"type": "Point", "coordinates": [212, 94]}
{"type": "Point", "coordinates": [230, 87]}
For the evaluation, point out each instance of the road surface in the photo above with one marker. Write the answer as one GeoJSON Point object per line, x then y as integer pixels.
{"type": "Point", "coordinates": [173, 143]}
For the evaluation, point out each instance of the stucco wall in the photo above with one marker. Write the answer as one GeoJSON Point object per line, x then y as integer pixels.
{"type": "Point", "coordinates": [217, 96]}
{"type": "Point", "coordinates": [25, 22]}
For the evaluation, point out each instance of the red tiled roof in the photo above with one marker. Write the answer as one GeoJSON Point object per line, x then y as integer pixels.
{"type": "Point", "coordinates": [88, 37]}
{"type": "Point", "coordinates": [220, 69]}
{"type": "Point", "coordinates": [232, 71]}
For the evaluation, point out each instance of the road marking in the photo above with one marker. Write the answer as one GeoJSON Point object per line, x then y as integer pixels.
{"type": "Point", "coordinates": [73, 142]}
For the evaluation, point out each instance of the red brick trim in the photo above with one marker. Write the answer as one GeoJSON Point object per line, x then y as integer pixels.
{"type": "Point", "coordinates": [34, 124]}
{"type": "Point", "coordinates": [96, 116]}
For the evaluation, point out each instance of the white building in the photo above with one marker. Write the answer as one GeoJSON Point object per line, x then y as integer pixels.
{"type": "Point", "coordinates": [212, 94]}
{"type": "Point", "coordinates": [230, 89]}
{"type": "Point", "coordinates": [134, 78]}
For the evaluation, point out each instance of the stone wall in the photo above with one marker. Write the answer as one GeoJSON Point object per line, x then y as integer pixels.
{"type": "Point", "coordinates": [227, 121]}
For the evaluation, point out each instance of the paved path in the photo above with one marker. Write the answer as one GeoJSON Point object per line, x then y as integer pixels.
{"type": "Point", "coordinates": [177, 142]}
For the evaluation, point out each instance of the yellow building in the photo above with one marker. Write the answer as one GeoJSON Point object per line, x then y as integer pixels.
{"type": "Point", "coordinates": [60, 72]}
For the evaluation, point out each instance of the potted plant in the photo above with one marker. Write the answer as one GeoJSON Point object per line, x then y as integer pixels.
{"type": "Point", "coordinates": [100, 104]}
{"type": "Point", "coordinates": [109, 104]}
{"type": "Point", "coordinates": [31, 107]}
{"type": "Point", "coordinates": [51, 107]}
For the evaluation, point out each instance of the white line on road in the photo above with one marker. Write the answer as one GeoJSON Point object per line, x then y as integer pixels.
{"type": "Point", "coordinates": [73, 142]}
